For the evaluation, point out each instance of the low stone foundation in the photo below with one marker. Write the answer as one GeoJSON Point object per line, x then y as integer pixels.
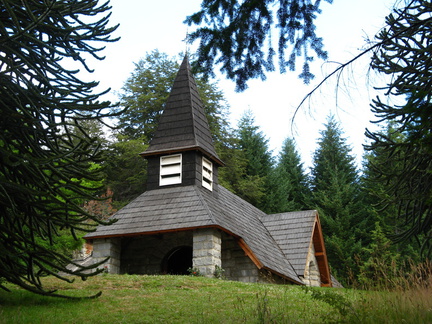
{"type": "Point", "coordinates": [209, 249]}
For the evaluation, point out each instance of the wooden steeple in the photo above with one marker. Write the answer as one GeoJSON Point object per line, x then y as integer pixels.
{"type": "Point", "coordinates": [183, 125]}
{"type": "Point", "coordinates": [183, 129]}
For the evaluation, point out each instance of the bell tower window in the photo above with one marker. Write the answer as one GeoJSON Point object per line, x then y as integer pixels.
{"type": "Point", "coordinates": [207, 174]}
{"type": "Point", "coordinates": [170, 169]}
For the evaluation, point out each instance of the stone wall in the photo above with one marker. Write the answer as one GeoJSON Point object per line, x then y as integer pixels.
{"type": "Point", "coordinates": [211, 248]}
{"type": "Point", "coordinates": [312, 275]}
{"type": "Point", "coordinates": [207, 250]}
{"type": "Point", "coordinates": [236, 264]}
{"type": "Point", "coordinates": [107, 247]}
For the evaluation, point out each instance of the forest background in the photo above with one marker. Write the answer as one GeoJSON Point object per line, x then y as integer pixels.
{"type": "Point", "coordinates": [69, 156]}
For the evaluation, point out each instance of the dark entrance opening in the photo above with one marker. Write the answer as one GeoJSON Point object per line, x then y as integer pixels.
{"type": "Point", "coordinates": [178, 261]}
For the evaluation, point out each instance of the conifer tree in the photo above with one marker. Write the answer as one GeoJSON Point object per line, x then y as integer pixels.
{"type": "Point", "coordinates": [385, 205]}
{"type": "Point", "coordinates": [336, 194]}
{"type": "Point", "coordinates": [257, 160]}
{"type": "Point", "coordinates": [380, 265]}
{"type": "Point", "coordinates": [45, 166]}
{"type": "Point", "coordinates": [238, 35]}
{"type": "Point", "coordinates": [290, 181]}
{"type": "Point", "coordinates": [405, 55]}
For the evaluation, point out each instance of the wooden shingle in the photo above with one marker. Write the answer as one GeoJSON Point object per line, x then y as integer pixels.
{"type": "Point", "coordinates": [293, 232]}
{"type": "Point", "coordinates": [183, 125]}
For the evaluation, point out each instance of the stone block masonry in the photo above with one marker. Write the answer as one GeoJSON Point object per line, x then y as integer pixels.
{"type": "Point", "coordinates": [206, 251]}
{"type": "Point", "coordinates": [312, 274]}
{"type": "Point", "coordinates": [236, 263]}
{"type": "Point", "coordinates": [107, 247]}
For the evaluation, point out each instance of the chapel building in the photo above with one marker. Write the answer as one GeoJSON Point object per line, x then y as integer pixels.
{"type": "Point", "coordinates": [186, 220]}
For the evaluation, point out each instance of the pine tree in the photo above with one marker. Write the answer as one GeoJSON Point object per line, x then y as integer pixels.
{"type": "Point", "coordinates": [337, 195]}
{"type": "Point", "coordinates": [290, 181]}
{"type": "Point", "coordinates": [238, 34]}
{"type": "Point", "coordinates": [257, 162]}
{"type": "Point", "coordinates": [380, 266]}
{"type": "Point", "coordinates": [385, 205]}
{"type": "Point", "coordinates": [125, 170]}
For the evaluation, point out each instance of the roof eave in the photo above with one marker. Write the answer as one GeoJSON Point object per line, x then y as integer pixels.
{"type": "Point", "coordinates": [183, 149]}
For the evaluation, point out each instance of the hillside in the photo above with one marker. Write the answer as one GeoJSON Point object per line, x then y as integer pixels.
{"type": "Point", "coordinates": [187, 299]}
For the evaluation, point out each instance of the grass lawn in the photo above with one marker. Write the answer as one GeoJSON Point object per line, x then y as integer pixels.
{"type": "Point", "coordinates": [187, 299]}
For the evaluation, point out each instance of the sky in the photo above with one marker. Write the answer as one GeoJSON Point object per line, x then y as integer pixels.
{"type": "Point", "coordinates": [344, 26]}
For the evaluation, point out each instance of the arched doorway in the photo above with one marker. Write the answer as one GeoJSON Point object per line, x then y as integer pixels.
{"type": "Point", "coordinates": [178, 261]}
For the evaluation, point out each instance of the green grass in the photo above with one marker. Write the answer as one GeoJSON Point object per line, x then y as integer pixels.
{"type": "Point", "coordinates": [186, 299]}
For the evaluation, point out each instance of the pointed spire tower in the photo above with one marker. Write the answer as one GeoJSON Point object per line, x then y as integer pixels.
{"type": "Point", "coordinates": [182, 137]}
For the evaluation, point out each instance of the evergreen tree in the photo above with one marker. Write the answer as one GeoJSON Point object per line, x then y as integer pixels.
{"type": "Point", "coordinates": [380, 266]}
{"type": "Point", "coordinates": [337, 195]}
{"type": "Point", "coordinates": [333, 156]}
{"type": "Point", "coordinates": [378, 192]}
{"type": "Point", "coordinates": [290, 181]}
{"type": "Point", "coordinates": [45, 166]}
{"type": "Point", "coordinates": [254, 184]}
{"type": "Point", "coordinates": [405, 55]}
{"type": "Point", "coordinates": [125, 169]}
{"type": "Point", "coordinates": [238, 34]}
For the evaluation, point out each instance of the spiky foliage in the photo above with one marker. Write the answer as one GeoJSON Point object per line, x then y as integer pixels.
{"type": "Point", "coordinates": [238, 35]}
{"type": "Point", "coordinates": [406, 165]}
{"type": "Point", "coordinates": [289, 180]}
{"type": "Point", "coordinates": [255, 163]}
{"type": "Point", "coordinates": [336, 194]}
{"type": "Point", "coordinates": [46, 171]}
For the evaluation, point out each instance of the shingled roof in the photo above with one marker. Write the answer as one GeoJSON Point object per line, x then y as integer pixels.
{"type": "Point", "coordinates": [295, 232]}
{"type": "Point", "coordinates": [183, 125]}
{"type": "Point", "coordinates": [189, 207]}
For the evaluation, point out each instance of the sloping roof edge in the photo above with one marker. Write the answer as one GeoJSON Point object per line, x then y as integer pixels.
{"type": "Point", "coordinates": [321, 253]}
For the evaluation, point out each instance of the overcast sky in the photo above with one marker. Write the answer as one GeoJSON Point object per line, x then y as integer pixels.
{"type": "Point", "coordinates": [148, 25]}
